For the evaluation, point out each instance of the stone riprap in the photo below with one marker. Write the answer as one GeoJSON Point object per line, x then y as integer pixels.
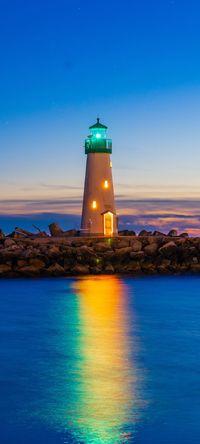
{"type": "Point", "coordinates": [134, 255]}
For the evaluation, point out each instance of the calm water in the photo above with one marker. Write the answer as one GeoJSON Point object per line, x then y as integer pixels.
{"type": "Point", "coordinates": [100, 360]}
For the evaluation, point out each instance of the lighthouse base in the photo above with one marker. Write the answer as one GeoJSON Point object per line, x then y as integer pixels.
{"type": "Point", "coordinates": [107, 226]}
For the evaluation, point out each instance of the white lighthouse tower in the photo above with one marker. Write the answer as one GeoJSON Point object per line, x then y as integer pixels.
{"type": "Point", "coordinates": [98, 213]}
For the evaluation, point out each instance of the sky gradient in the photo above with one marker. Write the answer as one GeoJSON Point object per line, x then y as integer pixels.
{"type": "Point", "coordinates": [133, 63]}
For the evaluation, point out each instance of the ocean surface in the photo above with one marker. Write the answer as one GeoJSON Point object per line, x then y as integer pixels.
{"type": "Point", "coordinates": [100, 360]}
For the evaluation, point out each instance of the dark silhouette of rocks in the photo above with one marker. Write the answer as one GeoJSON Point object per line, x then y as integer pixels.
{"type": "Point", "coordinates": [56, 231]}
{"type": "Point", "coordinates": [158, 233]}
{"type": "Point", "coordinates": [145, 233]}
{"type": "Point", "coordinates": [173, 233]}
{"type": "Point", "coordinates": [127, 233]}
{"type": "Point", "coordinates": [68, 254]}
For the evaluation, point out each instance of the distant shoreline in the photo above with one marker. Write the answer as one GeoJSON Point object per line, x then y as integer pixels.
{"type": "Point", "coordinates": [75, 256]}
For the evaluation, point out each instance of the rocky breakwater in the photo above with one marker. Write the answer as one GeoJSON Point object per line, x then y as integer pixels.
{"type": "Point", "coordinates": [134, 255]}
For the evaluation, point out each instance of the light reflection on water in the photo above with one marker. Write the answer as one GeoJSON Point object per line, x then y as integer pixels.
{"type": "Point", "coordinates": [81, 358]}
{"type": "Point", "coordinates": [105, 396]}
{"type": "Point", "coordinates": [94, 390]}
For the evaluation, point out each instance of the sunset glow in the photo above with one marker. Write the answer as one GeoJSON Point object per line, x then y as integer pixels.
{"type": "Point", "coordinates": [149, 97]}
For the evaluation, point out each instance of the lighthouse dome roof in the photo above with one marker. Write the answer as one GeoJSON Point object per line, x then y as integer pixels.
{"type": "Point", "coordinates": [98, 125]}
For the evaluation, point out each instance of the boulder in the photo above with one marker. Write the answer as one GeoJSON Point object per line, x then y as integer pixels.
{"type": "Point", "coordinates": [86, 251]}
{"type": "Point", "coordinates": [29, 253]}
{"type": "Point", "coordinates": [85, 255]}
{"type": "Point", "coordinates": [67, 251]}
{"type": "Point", "coordinates": [122, 244]}
{"type": "Point", "coordinates": [101, 247]}
{"type": "Point", "coordinates": [55, 270]}
{"type": "Point", "coordinates": [163, 269]}
{"type": "Point", "coordinates": [166, 262]}
{"type": "Point", "coordinates": [132, 268]}
{"type": "Point", "coordinates": [187, 253]}
{"type": "Point", "coordinates": [148, 268]}
{"type": "Point", "coordinates": [173, 233]}
{"type": "Point", "coordinates": [184, 235]}
{"type": "Point", "coordinates": [123, 251]}
{"type": "Point", "coordinates": [181, 241]}
{"type": "Point", "coordinates": [55, 230]}
{"type": "Point", "coordinates": [195, 260]}
{"type": "Point", "coordinates": [4, 269]}
{"type": "Point", "coordinates": [136, 246]}
{"type": "Point", "coordinates": [21, 263]}
{"type": "Point", "coordinates": [126, 233]}
{"type": "Point", "coordinates": [151, 249]}
{"type": "Point", "coordinates": [29, 271]}
{"type": "Point", "coordinates": [12, 248]}
{"type": "Point", "coordinates": [65, 243]}
{"type": "Point", "coordinates": [145, 233]}
{"type": "Point", "coordinates": [41, 234]}
{"type": "Point", "coordinates": [159, 234]}
{"type": "Point", "coordinates": [109, 269]}
{"type": "Point", "coordinates": [15, 235]}
{"type": "Point", "coordinates": [9, 243]}
{"type": "Point", "coordinates": [195, 268]}
{"type": "Point", "coordinates": [109, 255]}
{"type": "Point", "coordinates": [168, 249]}
{"type": "Point", "coordinates": [37, 263]}
{"type": "Point", "coordinates": [54, 250]}
{"type": "Point", "coordinates": [6, 254]}
{"type": "Point", "coordinates": [79, 242]}
{"type": "Point", "coordinates": [151, 239]}
{"type": "Point", "coordinates": [137, 255]}
{"type": "Point", "coordinates": [80, 269]}
{"type": "Point", "coordinates": [20, 233]}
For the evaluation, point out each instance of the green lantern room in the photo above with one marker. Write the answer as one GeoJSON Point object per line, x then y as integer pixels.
{"type": "Point", "coordinates": [97, 141]}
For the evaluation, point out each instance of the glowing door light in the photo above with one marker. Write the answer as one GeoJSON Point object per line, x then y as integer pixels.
{"type": "Point", "coordinates": [94, 204]}
{"type": "Point", "coordinates": [108, 224]}
{"type": "Point", "coordinates": [105, 183]}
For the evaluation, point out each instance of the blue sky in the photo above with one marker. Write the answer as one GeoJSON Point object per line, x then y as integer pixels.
{"type": "Point", "coordinates": [135, 64]}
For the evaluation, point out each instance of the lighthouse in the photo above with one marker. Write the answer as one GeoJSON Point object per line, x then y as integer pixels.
{"type": "Point", "coordinates": [98, 212]}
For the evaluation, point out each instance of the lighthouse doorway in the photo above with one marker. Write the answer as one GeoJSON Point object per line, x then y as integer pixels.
{"type": "Point", "coordinates": [108, 223]}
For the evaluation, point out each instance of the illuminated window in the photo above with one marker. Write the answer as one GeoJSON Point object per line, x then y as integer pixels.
{"type": "Point", "coordinates": [110, 164]}
{"type": "Point", "coordinates": [94, 204]}
{"type": "Point", "coordinates": [105, 184]}
{"type": "Point", "coordinates": [98, 136]}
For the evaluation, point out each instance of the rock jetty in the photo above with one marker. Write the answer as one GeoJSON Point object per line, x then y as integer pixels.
{"type": "Point", "coordinates": [59, 255]}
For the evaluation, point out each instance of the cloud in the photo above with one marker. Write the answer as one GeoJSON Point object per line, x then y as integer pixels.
{"type": "Point", "coordinates": [60, 186]}
{"type": "Point", "coordinates": [151, 214]}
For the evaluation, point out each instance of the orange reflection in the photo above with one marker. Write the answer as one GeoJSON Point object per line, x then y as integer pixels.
{"type": "Point", "coordinates": [104, 409]}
